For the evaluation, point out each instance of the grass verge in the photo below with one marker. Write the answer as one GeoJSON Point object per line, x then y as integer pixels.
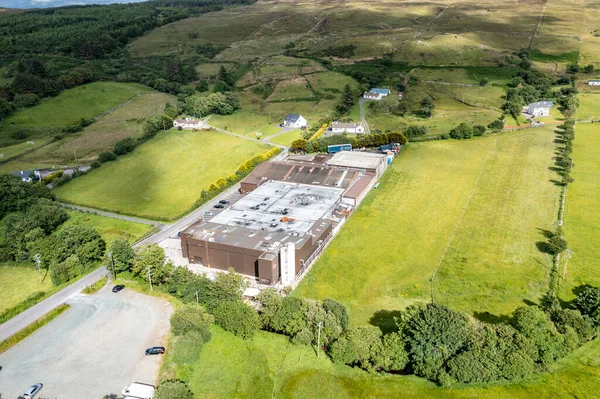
{"type": "Point", "coordinates": [30, 329]}
{"type": "Point", "coordinates": [90, 289]}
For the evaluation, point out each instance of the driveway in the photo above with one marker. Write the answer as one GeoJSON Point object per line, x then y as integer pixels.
{"type": "Point", "coordinates": [95, 348]}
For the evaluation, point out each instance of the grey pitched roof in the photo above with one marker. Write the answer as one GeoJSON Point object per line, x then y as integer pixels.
{"type": "Point", "coordinates": [542, 104]}
{"type": "Point", "coordinates": [22, 174]}
{"type": "Point", "coordinates": [380, 90]}
{"type": "Point", "coordinates": [292, 118]}
{"type": "Point", "coordinates": [342, 125]}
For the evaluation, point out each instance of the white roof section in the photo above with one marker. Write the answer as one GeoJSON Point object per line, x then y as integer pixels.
{"type": "Point", "coordinates": [264, 208]}
{"type": "Point", "coordinates": [356, 159]}
{"type": "Point", "coordinates": [138, 390]}
{"type": "Point", "coordinates": [345, 125]}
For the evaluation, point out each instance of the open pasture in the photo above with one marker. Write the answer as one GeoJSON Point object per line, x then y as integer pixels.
{"type": "Point", "coordinates": [126, 121]}
{"type": "Point", "coordinates": [434, 200]}
{"type": "Point", "coordinates": [582, 213]}
{"type": "Point", "coordinates": [19, 282]}
{"type": "Point", "coordinates": [164, 177]}
{"type": "Point", "coordinates": [70, 106]}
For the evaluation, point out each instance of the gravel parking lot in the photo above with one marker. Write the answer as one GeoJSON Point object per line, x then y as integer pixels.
{"type": "Point", "coordinates": [95, 348]}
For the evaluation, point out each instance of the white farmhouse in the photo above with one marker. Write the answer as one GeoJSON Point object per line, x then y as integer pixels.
{"type": "Point", "coordinates": [295, 121]}
{"type": "Point", "coordinates": [541, 108]}
{"type": "Point", "coordinates": [594, 82]}
{"type": "Point", "coordinates": [370, 95]}
{"type": "Point", "coordinates": [351, 128]}
{"type": "Point", "coordinates": [188, 123]}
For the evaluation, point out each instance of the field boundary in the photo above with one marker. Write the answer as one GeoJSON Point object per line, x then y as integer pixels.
{"type": "Point", "coordinates": [460, 218]}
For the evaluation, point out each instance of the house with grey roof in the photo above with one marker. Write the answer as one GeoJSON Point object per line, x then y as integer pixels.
{"type": "Point", "coordinates": [27, 175]}
{"type": "Point", "coordinates": [351, 128]}
{"type": "Point", "coordinates": [294, 120]}
{"type": "Point", "coordinates": [188, 123]}
{"type": "Point", "coordinates": [541, 108]}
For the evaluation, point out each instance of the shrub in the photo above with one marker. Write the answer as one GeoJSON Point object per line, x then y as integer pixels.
{"type": "Point", "coordinates": [556, 244]}
{"type": "Point", "coordinates": [190, 318]}
{"type": "Point", "coordinates": [536, 325]}
{"type": "Point", "coordinates": [96, 164]}
{"type": "Point", "coordinates": [462, 132]}
{"type": "Point", "coordinates": [106, 156]}
{"type": "Point", "coordinates": [588, 303]}
{"type": "Point", "coordinates": [478, 130]}
{"type": "Point", "coordinates": [173, 389]}
{"type": "Point", "coordinates": [358, 346]}
{"type": "Point", "coordinates": [124, 146]}
{"type": "Point", "coordinates": [19, 135]}
{"type": "Point", "coordinates": [238, 318]}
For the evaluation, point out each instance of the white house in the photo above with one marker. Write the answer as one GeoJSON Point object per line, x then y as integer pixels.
{"type": "Point", "coordinates": [188, 123]}
{"type": "Point", "coordinates": [594, 82]}
{"type": "Point", "coordinates": [25, 175]}
{"type": "Point", "coordinates": [383, 92]}
{"type": "Point", "coordinates": [352, 128]}
{"type": "Point", "coordinates": [541, 108]}
{"type": "Point", "coordinates": [295, 121]}
{"type": "Point", "coordinates": [369, 95]}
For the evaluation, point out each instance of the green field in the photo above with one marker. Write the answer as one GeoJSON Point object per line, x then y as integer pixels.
{"type": "Point", "coordinates": [287, 138]}
{"type": "Point", "coordinates": [125, 121]}
{"type": "Point", "coordinates": [402, 229]}
{"type": "Point", "coordinates": [17, 283]}
{"type": "Point", "coordinates": [589, 107]}
{"type": "Point", "coordinates": [109, 228]}
{"type": "Point", "coordinates": [164, 177]}
{"type": "Point", "coordinates": [70, 106]}
{"type": "Point", "coordinates": [14, 150]}
{"type": "Point", "coordinates": [582, 213]}
{"type": "Point", "coordinates": [269, 366]}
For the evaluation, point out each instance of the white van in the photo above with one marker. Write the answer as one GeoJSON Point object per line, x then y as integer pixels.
{"type": "Point", "coordinates": [138, 390]}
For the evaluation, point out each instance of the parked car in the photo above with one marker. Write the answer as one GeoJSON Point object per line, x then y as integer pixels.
{"type": "Point", "coordinates": [118, 288]}
{"type": "Point", "coordinates": [179, 234]}
{"type": "Point", "coordinates": [33, 390]}
{"type": "Point", "coordinates": [224, 202]}
{"type": "Point", "coordinates": [155, 350]}
{"type": "Point", "coordinates": [208, 213]}
{"type": "Point", "coordinates": [219, 206]}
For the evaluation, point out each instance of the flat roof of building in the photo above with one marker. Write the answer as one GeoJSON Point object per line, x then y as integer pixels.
{"type": "Point", "coordinates": [359, 187]}
{"type": "Point", "coordinates": [356, 159]}
{"type": "Point", "coordinates": [307, 172]}
{"type": "Point", "coordinates": [281, 207]}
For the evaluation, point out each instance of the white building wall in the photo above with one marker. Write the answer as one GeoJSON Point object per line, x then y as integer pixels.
{"type": "Point", "coordinates": [288, 263]}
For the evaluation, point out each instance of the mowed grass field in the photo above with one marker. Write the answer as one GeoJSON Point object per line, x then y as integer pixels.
{"type": "Point", "coordinates": [109, 228]}
{"type": "Point", "coordinates": [269, 366]}
{"type": "Point", "coordinates": [582, 213]}
{"type": "Point", "coordinates": [70, 106]}
{"type": "Point", "coordinates": [484, 199]}
{"type": "Point", "coordinates": [164, 177]}
{"type": "Point", "coordinates": [17, 283]}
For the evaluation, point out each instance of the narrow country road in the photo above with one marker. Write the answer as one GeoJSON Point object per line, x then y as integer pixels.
{"type": "Point", "coordinates": [361, 104]}
{"type": "Point", "coordinates": [111, 215]}
{"type": "Point", "coordinates": [24, 319]}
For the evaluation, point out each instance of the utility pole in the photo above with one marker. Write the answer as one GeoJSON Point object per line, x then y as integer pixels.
{"type": "Point", "coordinates": [320, 325]}
{"type": "Point", "coordinates": [38, 261]}
{"type": "Point", "coordinates": [75, 153]}
{"type": "Point", "coordinates": [150, 278]}
{"type": "Point", "coordinates": [112, 263]}
{"type": "Point", "coordinates": [197, 297]}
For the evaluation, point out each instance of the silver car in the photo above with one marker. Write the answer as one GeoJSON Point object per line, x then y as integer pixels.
{"type": "Point", "coordinates": [33, 390]}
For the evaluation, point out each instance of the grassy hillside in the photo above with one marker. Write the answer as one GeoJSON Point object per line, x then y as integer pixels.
{"type": "Point", "coordinates": [125, 121]}
{"type": "Point", "coordinates": [164, 177]}
{"type": "Point", "coordinates": [17, 283]}
{"type": "Point", "coordinates": [70, 106]}
{"type": "Point", "coordinates": [472, 197]}
{"type": "Point", "coordinates": [109, 228]}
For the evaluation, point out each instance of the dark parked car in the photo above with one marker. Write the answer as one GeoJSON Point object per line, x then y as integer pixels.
{"type": "Point", "coordinates": [155, 350]}
{"type": "Point", "coordinates": [224, 202]}
{"type": "Point", "coordinates": [33, 390]}
{"type": "Point", "coordinates": [219, 206]}
{"type": "Point", "coordinates": [118, 288]}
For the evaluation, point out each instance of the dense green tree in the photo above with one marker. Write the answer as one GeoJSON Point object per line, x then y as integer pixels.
{"type": "Point", "coordinates": [462, 132]}
{"type": "Point", "coordinates": [106, 156]}
{"type": "Point", "coordinates": [270, 301]}
{"type": "Point", "coordinates": [392, 355]}
{"type": "Point", "coordinates": [289, 317]}
{"type": "Point", "coordinates": [434, 334]}
{"type": "Point", "coordinates": [189, 318]}
{"type": "Point", "coordinates": [173, 389]}
{"type": "Point", "coordinates": [85, 242]}
{"type": "Point", "coordinates": [427, 107]}
{"type": "Point", "coordinates": [238, 318]}
{"type": "Point", "coordinates": [227, 287]}
{"type": "Point", "coordinates": [338, 310]}
{"type": "Point", "coordinates": [18, 195]}
{"type": "Point", "coordinates": [215, 103]}
{"type": "Point", "coordinates": [536, 325]}
{"type": "Point", "coordinates": [478, 130]}
{"type": "Point", "coordinates": [150, 258]}
{"type": "Point", "coordinates": [124, 146]}
{"type": "Point", "coordinates": [122, 255]}
{"type": "Point", "coordinates": [415, 131]}
{"type": "Point", "coordinates": [557, 244]}
{"type": "Point", "coordinates": [588, 303]}
{"type": "Point", "coordinates": [225, 76]}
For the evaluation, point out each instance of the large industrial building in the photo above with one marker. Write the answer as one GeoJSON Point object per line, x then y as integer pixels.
{"type": "Point", "coordinates": [288, 212]}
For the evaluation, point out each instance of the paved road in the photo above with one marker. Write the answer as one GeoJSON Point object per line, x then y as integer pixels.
{"type": "Point", "coordinates": [95, 348]}
{"type": "Point", "coordinates": [112, 215]}
{"type": "Point", "coordinates": [35, 312]}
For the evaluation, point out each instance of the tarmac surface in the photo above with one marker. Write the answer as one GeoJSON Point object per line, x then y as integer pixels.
{"type": "Point", "coordinates": [94, 349]}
